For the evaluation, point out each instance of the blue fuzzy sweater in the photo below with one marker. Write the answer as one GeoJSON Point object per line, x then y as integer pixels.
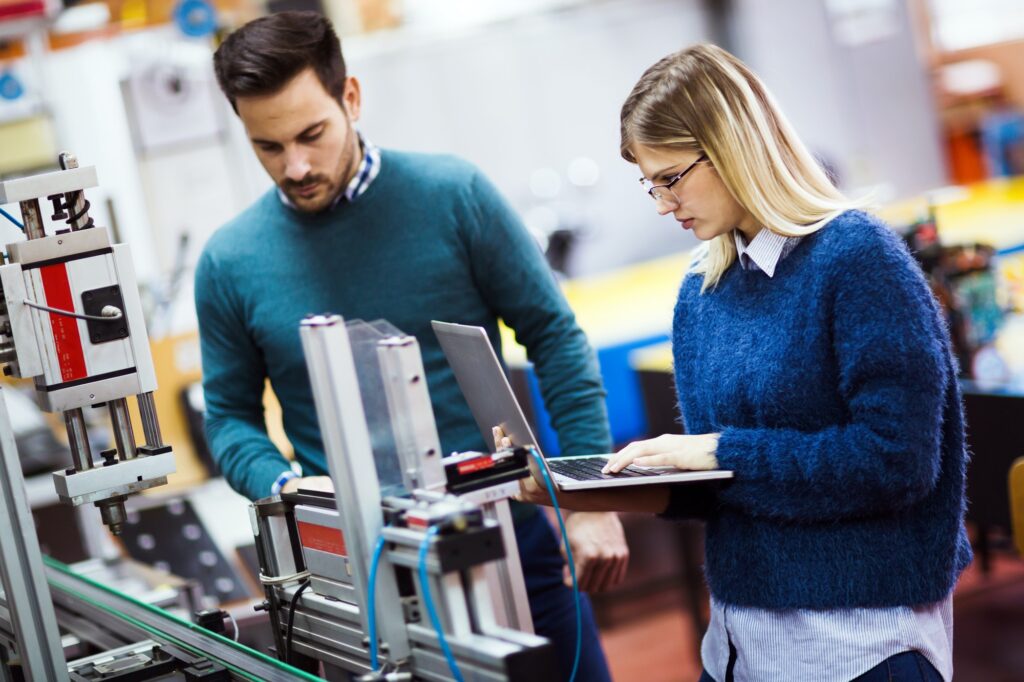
{"type": "Point", "coordinates": [835, 393]}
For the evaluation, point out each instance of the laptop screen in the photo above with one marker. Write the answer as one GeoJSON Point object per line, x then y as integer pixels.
{"type": "Point", "coordinates": [483, 382]}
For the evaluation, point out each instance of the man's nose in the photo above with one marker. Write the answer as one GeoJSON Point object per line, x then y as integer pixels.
{"type": "Point", "coordinates": [297, 166]}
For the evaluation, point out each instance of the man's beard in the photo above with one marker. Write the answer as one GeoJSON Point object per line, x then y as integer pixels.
{"type": "Point", "coordinates": [292, 188]}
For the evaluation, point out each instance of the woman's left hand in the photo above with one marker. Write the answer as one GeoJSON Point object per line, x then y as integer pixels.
{"type": "Point", "coordinates": [691, 453]}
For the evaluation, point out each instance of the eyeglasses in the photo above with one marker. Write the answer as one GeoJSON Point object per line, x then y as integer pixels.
{"type": "Point", "coordinates": [664, 193]}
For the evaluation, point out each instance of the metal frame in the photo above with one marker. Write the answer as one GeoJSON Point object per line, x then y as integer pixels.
{"type": "Point", "coordinates": [482, 606]}
{"type": "Point", "coordinates": [339, 408]}
{"type": "Point", "coordinates": [33, 620]}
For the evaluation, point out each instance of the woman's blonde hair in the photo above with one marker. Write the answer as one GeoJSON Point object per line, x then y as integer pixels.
{"type": "Point", "coordinates": [704, 99]}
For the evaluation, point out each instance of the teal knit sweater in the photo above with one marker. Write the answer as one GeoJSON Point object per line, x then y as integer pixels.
{"type": "Point", "coordinates": [430, 238]}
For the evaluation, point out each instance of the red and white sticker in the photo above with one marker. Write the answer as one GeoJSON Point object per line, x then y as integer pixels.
{"type": "Point", "coordinates": [67, 342]}
{"type": "Point", "coordinates": [322, 538]}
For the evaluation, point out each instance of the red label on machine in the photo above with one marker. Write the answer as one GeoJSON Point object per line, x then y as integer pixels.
{"type": "Point", "coordinates": [476, 464]}
{"type": "Point", "coordinates": [322, 538]}
{"type": "Point", "coordinates": [67, 343]}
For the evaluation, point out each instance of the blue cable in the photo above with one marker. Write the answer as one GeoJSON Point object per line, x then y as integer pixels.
{"type": "Point", "coordinates": [371, 602]}
{"type": "Point", "coordinates": [568, 555]}
{"type": "Point", "coordinates": [12, 219]}
{"type": "Point", "coordinates": [425, 585]}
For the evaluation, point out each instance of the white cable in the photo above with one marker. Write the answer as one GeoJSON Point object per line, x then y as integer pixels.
{"type": "Point", "coordinates": [234, 624]}
{"type": "Point", "coordinates": [107, 314]}
{"type": "Point", "coordinates": [284, 579]}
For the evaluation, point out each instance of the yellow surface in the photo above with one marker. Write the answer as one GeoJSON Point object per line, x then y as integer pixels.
{"type": "Point", "coordinates": [27, 144]}
{"type": "Point", "coordinates": [990, 212]}
{"type": "Point", "coordinates": [1017, 503]}
{"type": "Point", "coordinates": [652, 358]}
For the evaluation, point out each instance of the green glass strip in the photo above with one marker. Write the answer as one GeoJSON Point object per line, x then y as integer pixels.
{"type": "Point", "coordinates": [284, 667]}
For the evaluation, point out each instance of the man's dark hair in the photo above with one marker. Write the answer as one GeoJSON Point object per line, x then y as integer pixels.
{"type": "Point", "coordinates": [262, 56]}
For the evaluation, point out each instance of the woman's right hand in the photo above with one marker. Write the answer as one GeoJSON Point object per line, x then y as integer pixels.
{"type": "Point", "coordinates": [689, 453]}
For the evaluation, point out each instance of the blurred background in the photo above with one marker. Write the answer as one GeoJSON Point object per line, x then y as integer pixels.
{"type": "Point", "coordinates": [918, 102]}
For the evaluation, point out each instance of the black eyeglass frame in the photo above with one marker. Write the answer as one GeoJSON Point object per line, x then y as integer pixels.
{"type": "Point", "coordinates": [674, 179]}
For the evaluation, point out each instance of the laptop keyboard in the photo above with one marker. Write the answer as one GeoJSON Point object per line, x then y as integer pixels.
{"type": "Point", "coordinates": [590, 469]}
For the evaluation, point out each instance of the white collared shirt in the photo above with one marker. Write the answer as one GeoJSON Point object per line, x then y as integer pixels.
{"type": "Point", "coordinates": [765, 251]}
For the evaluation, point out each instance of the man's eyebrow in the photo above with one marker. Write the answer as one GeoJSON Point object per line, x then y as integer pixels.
{"type": "Point", "coordinates": [309, 129]}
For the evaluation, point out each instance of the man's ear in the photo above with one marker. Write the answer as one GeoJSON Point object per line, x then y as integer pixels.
{"type": "Point", "coordinates": [351, 98]}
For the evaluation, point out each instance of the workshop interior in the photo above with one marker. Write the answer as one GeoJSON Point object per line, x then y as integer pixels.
{"type": "Point", "coordinates": [124, 552]}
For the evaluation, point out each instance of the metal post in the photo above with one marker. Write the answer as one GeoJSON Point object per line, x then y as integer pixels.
{"type": "Point", "coordinates": [412, 416]}
{"type": "Point", "coordinates": [32, 216]}
{"type": "Point", "coordinates": [76, 203]}
{"type": "Point", "coordinates": [78, 439]}
{"type": "Point", "coordinates": [346, 438]}
{"type": "Point", "coordinates": [21, 564]}
{"type": "Point", "coordinates": [505, 577]}
{"type": "Point", "coordinates": [124, 437]}
{"type": "Point", "coordinates": [150, 423]}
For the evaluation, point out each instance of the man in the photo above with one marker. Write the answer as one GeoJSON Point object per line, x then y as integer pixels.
{"type": "Point", "coordinates": [373, 234]}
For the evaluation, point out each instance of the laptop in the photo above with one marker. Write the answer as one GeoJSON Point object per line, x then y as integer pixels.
{"type": "Point", "coordinates": [486, 389]}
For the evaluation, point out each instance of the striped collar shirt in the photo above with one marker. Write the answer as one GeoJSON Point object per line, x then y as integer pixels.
{"type": "Point", "coordinates": [369, 168]}
{"type": "Point", "coordinates": [747, 644]}
{"type": "Point", "coordinates": [765, 251]}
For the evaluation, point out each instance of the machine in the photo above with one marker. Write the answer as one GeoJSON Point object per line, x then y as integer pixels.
{"type": "Point", "coordinates": [409, 571]}
{"type": "Point", "coordinates": [423, 583]}
{"type": "Point", "coordinates": [71, 321]}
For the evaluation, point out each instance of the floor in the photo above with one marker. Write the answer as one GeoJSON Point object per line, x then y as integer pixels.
{"type": "Point", "coordinates": [655, 641]}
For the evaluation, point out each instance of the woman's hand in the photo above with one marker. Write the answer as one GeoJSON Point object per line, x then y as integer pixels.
{"type": "Point", "coordinates": [691, 453]}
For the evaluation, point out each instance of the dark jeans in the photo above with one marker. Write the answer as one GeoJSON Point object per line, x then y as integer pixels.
{"type": "Point", "coordinates": [552, 605]}
{"type": "Point", "coordinates": [909, 666]}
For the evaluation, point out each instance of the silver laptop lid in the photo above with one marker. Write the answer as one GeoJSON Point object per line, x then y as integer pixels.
{"type": "Point", "coordinates": [483, 382]}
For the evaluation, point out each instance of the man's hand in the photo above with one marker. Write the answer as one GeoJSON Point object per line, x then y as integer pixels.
{"type": "Point", "coordinates": [501, 441]}
{"type": "Point", "coordinates": [691, 453]}
{"type": "Point", "coordinates": [323, 483]}
{"type": "Point", "coordinates": [599, 550]}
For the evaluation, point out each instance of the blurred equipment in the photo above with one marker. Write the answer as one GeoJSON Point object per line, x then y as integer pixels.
{"type": "Point", "coordinates": [172, 537]}
{"type": "Point", "coordinates": [963, 279]}
{"type": "Point", "coordinates": [423, 584]}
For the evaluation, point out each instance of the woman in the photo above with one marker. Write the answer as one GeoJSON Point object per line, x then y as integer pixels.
{"type": "Point", "coordinates": [811, 360]}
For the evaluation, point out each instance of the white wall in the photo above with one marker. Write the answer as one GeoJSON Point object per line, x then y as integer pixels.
{"type": "Point", "coordinates": [867, 107]}
{"type": "Point", "coordinates": [533, 93]}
